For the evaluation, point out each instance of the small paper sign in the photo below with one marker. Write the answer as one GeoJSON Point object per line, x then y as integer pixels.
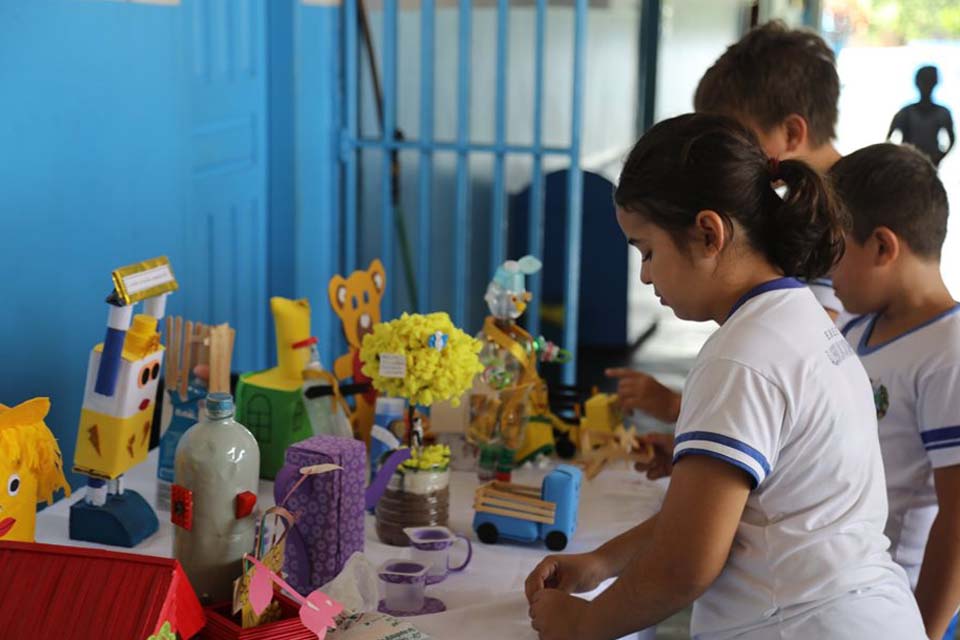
{"type": "Point", "coordinates": [393, 365]}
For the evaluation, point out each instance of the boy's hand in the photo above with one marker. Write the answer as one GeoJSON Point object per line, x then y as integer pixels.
{"type": "Point", "coordinates": [661, 465]}
{"type": "Point", "coordinates": [574, 573]}
{"type": "Point", "coordinates": [641, 392]}
{"type": "Point", "coordinates": [556, 615]}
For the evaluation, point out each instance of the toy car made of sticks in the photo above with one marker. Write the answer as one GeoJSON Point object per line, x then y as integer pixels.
{"type": "Point", "coordinates": [527, 514]}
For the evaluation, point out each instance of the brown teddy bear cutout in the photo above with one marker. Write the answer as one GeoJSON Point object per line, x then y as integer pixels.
{"type": "Point", "coordinates": [356, 300]}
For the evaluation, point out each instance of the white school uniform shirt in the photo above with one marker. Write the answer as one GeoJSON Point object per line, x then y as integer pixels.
{"type": "Point", "coordinates": [826, 295]}
{"type": "Point", "coordinates": [777, 392]}
{"type": "Point", "coordinates": [915, 379]}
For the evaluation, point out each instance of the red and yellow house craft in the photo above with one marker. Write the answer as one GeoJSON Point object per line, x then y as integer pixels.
{"type": "Point", "coordinates": [50, 591]}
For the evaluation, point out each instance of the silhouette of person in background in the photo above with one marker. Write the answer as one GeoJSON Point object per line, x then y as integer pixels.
{"type": "Point", "coordinates": [920, 123]}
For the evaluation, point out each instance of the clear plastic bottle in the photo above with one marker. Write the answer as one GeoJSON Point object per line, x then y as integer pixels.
{"type": "Point", "coordinates": [178, 415]}
{"type": "Point", "coordinates": [326, 418]}
{"type": "Point", "coordinates": [216, 470]}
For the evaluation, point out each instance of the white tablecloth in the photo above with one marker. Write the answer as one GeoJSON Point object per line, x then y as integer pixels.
{"type": "Point", "coordinates": [486, 600]}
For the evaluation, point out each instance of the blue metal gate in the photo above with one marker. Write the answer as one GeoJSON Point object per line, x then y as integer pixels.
{"type": "Point", "coordinates": [388, 144]}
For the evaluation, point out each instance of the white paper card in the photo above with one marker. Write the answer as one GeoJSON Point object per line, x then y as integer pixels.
{"type": "Point", "coordinates": [393, 365]}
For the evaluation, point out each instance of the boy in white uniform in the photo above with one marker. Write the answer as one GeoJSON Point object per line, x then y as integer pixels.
{"type": "Point", "coordinates": [909, 342]}
{"type": "Point", "coordinates": [783, 84]}
{"type": "Point", "coordinates": [773, 521]}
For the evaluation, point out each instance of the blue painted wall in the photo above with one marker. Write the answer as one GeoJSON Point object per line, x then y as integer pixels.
{"type": "Point", "coordinates": [315, 242]}
{"type": "Point", "coordinates": [91, 178]}
{"type": "Point", "coordinates": [128, 131]}
{"type": "Point", "coordinates": [225, 221]}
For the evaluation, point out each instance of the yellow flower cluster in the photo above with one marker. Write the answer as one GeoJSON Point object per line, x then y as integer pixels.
{"type": "Point", "coordinates": [433, 373]}
{"type": "Point", "coordinates": [436, 457]}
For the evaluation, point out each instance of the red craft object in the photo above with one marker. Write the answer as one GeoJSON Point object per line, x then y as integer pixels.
{"type": "Point", "coordinates": [223, 626]}
{"type": "Point", "coordinates": [309, 342]}
{"type": "Point", "coordinates": [244, 504]}
{"type": "Point", "coordinates": [49, 591]}
{"type": "Point", "coordinates": [181, 507]}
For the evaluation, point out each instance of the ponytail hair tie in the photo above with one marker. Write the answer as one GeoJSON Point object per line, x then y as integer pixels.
{"type": "Point", "coordinates": [773, 168]}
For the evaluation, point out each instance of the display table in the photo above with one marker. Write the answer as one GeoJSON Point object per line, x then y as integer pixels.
{"type": "Point", "coordinates": [486, 600]}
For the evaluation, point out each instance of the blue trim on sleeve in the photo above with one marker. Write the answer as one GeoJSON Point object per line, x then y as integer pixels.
{"type": "Point", "coordinates": [733, 443]}
{"type": "Point", "coordinates": [720, 456]}
{"type": "Point", "coordinates": [939, 435]}
{"type": "Point", "coordinates": [943, 445]}
{"type": "Point", "coordinates": [771, 285]}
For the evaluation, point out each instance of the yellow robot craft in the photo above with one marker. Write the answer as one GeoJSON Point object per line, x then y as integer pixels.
{"type": "Point", "coordinates": [31, 468]}
{"type": "Point", "coordinates": [118, 406]}
{"type": "Point", "coordinates": [114, 432]}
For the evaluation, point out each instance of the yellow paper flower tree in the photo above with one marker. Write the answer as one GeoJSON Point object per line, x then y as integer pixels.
{"type": "Point", "coordinates": [440, 360]}
{"type": "Point", "coordinates": [424, 359]}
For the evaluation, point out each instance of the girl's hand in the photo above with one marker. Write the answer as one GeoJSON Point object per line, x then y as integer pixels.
{"type": "Point", "coordinates": [641, 392]}
{"type": "Point", "coordinates": [559, 616]}
{"type": "Point", "coordinates": [574, 573]}
{"type": "Point", "coordinates": [661, 465]}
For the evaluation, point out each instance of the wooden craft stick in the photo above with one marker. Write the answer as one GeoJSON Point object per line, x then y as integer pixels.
{"type": "Point", "coordinates": [220, 347]}
{"type": "Point", "coordinates": [513, 514]}
{"type": "Point", "coordinates": [512, 495]}
{"type": "Point", "coordinates": [515, 488]}
{"type": "Point", "coordinates": [218, 358]}
{"type": "Point", "coordinates": [199, 352]}
{"type": "Point", "coordinates": [515, 497]}
{"type": "Point", "coordinates": [593, 468]}
{"type": "Point", "coordinates": [177, 353]}
{"type": "Point", "coordinates": [202, 335]}
{"type": "Point", "coordinates": [231, 338]}
{"type": "Point", "coordinates": [526, 508]}
{"type": "Point", "coordinates": [186, 359]}
{"type": "Point", "coordinates": [167, 375]}
{"type": "Point", "coordinates": [173, 364]}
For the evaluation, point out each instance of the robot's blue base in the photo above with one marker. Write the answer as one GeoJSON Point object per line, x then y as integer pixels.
{"type": "Point", "coordinates": [124, 521]}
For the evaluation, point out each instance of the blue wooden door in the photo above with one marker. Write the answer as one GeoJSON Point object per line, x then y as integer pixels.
{"type": "Point", "coordinates": [226, 224]}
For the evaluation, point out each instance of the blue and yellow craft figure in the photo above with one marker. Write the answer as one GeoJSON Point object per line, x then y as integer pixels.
{"type": "Point", "coordinates": [118, 405]}
{"type": "Point", "coordinates": [511, 419]}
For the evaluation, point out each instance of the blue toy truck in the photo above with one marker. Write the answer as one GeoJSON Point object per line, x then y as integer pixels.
{"type": "Point", "coordinates": [528, 514]}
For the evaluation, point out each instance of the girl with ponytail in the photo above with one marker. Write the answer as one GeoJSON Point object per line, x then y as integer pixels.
{"type": "Point", "coordinates": [773, 521]}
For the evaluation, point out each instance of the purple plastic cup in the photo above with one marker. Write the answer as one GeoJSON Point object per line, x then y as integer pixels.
{"type": "Point", "coordinates": [403, 584]}
{"type": "Point", "coordinates": [432, 546]}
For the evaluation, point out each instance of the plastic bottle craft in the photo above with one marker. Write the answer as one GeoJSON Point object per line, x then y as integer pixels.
{"type": "Point", "coordinates": [510, 392]}
{"type": "Point", "coordinates": [423, 359]}
{"type": "Point", "coordinates": [217, 474]}
{"type": "Point", "coordinates": [189, 344]}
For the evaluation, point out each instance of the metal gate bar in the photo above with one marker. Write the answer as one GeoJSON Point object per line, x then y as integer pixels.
{"type": "Point", "coordinates": [427, 146]}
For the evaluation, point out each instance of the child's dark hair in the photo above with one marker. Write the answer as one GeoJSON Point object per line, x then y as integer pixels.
{"type": "Point", "coordinates": [893, 186]}
{"type": "Point", "coordinates": [699, 162]}
{"type": "Point", "coordinates": [773, 72]}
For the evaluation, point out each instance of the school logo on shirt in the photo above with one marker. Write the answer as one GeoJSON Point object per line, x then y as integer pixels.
{"type": "Point", "coordinates": [881, 399]}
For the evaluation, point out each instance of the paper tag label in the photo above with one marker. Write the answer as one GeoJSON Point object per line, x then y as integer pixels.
{"type": "Point", "coordinates": [393, 365]}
